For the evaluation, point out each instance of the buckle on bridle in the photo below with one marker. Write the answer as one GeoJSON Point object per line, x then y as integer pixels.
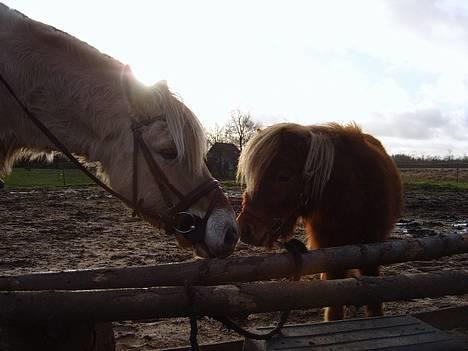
{"type": "Point", "coordinates": [184, 223]}
{"type": "Point", "coordinates": [191, 227]}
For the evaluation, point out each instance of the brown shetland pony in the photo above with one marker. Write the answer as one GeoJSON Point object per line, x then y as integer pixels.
{"type": "Point", "coordinates": [340, 181]}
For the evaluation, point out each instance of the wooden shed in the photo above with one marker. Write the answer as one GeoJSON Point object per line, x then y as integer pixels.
{"type": "Point", "coordinates": [222, 160]}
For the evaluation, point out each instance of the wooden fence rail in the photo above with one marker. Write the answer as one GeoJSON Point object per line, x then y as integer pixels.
{"type": "Point", "coordinates": [162, 302]}
{"type": "Point", "coordinates": [244, 269]}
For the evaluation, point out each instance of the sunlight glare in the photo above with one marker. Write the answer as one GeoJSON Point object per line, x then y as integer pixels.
{"type": "Point", "coordinates": [146, 73]}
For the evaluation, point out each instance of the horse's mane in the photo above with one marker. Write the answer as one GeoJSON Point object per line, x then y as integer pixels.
{"type": "Point", "coordinates": [261, 150]}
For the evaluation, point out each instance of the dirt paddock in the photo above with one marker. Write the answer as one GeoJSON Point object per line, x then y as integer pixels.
{"type": "Point", "coordinates": [49, 230]}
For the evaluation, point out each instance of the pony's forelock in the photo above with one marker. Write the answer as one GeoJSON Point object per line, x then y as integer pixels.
{"type": "Point", "coordinates": [258, 154]}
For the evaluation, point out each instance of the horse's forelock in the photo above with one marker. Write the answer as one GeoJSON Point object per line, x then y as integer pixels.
{"type": "Point", "coordinates": [185, 129]}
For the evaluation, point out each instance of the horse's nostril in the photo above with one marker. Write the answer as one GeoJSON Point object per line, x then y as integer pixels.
{"type": "Point", "coordinates": [230, 238]}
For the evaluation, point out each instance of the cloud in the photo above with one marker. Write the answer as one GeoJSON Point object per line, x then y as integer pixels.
{"type": "Point", "coordinates": [444, 22]}
{"type": "Point", "coordinates": [432, 35]}
{"type": "Point", "coordinates": [426, 130]}
{"type": "Point", "coordinates": [420, 124]}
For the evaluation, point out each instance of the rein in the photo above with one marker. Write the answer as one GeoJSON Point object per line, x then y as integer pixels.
{"type": "Point", "coordinates": [294, 247]}
{"type": "Point", "coordinates": [193, 227]}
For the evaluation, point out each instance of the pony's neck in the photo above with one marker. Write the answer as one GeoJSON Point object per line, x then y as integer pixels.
{"type": "Point", "coordinates": [71, 87]}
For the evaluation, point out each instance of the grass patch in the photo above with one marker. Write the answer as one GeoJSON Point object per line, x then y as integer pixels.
{"type": "Point", "coordinates": [423, 184]}
{"type": "Point", "coordinates": [21, 177]}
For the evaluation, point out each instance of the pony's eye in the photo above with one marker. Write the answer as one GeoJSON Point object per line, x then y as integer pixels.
{"type": "Point", "coordinates": [168, 154]}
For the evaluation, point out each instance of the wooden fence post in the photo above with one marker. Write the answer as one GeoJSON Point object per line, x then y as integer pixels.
{"type": "Point", "coordinates": [78, 336]}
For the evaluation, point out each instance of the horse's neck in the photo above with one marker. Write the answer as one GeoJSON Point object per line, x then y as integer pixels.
{"type": "Point", "coordinates": [72, 88]}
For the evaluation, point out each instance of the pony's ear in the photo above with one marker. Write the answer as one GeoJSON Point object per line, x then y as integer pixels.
{"type": "Point", "coordinates": [135, 93]}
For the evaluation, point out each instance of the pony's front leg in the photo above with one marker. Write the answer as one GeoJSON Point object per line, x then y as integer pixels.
{"type": "Point", "coordinates": [374, 309]}
{"type": "Point", "coordinates": [336, 312]}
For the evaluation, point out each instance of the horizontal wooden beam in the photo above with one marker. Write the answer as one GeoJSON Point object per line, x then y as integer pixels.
{"type": "Point", "coordinates": [243, 269]}
{"type": "Point", "coordinates": [149, 303]}
{"type": "Point", "coordinates": [236, 345]}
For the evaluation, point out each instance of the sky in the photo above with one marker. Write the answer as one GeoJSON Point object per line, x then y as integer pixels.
{"type": "Point", "coordinates": [398, 68]}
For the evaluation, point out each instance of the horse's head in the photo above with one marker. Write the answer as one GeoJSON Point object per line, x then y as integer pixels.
{"type": "Point", "coordinates": [161, 168]}
{"type": "Point", "coordinates": [276, 168]}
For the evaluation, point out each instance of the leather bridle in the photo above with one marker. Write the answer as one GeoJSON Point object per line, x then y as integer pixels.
{"type": "Point", "coordinates": [176, 219]}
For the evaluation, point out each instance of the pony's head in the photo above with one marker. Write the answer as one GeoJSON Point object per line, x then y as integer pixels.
{"type": "Point", "coordinates": [285, 168]}
{"type": "Point", "coordinates": [164, 134]}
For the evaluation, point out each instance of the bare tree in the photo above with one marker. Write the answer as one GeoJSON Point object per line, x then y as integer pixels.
{"type": "Point", "coordinates": [240, 128]}
{"type": "Point", "coordinates": [216, 134]}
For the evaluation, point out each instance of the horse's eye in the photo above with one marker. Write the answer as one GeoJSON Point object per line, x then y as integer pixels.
{"type": "Point", "coordinates": [168, 154]}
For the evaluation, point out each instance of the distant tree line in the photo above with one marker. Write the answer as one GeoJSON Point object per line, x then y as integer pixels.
{"type": "Point", "coordinates": [238, 130]}
{"type": "Point", "coordinates": [403, 160]}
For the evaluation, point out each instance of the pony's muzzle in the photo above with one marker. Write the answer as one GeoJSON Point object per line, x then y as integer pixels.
{"type": "Point", "coordinates": [248, 236]}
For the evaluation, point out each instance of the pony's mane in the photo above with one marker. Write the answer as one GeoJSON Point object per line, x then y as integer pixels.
{"type": "Point", "coordinates": [260, 151]}
{"type": "Point", "coordinates": [186, 131]}
{"type": "Point", "coordinates": [318, 166]}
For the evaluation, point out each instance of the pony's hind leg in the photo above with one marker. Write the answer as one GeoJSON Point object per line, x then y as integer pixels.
{"type": "Point", "coordinates": [373, 309]}
{"type": "Point", "coordinates": [333, 313]}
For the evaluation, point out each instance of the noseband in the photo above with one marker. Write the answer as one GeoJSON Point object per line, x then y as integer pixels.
{"type": "Point", "coordinates": [176, 220]}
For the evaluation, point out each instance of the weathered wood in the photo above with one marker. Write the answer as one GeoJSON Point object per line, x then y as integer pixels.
{"type": "Point", "coordinates": [446, 318]}
{"type": "Point", "coordinates": [398, 333]}
{"type": "Point", "coordinates": [223, 346]}
{"type": "Point", "coordinates": [147, 303]}
{"type": "Point", "coordinates": [244, 269]}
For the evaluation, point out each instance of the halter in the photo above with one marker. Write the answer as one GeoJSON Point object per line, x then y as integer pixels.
{"type": "Point", "coordinates": [275, 223]}
{"type": "Point", "coordinates": [176, 219]}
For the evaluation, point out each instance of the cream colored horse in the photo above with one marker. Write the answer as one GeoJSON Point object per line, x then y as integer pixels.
{"type": "Point", "coordinates": [85, 98]}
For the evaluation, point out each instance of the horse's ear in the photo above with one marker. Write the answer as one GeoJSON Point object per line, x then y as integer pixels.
{"type": "Point", "coordinates": [162, 84]}
{"type": "Point", "coordinates": [134, 92]}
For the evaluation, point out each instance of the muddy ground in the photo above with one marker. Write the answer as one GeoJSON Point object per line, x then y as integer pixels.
{"type": "Point", "coordinates": [48, 230]}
